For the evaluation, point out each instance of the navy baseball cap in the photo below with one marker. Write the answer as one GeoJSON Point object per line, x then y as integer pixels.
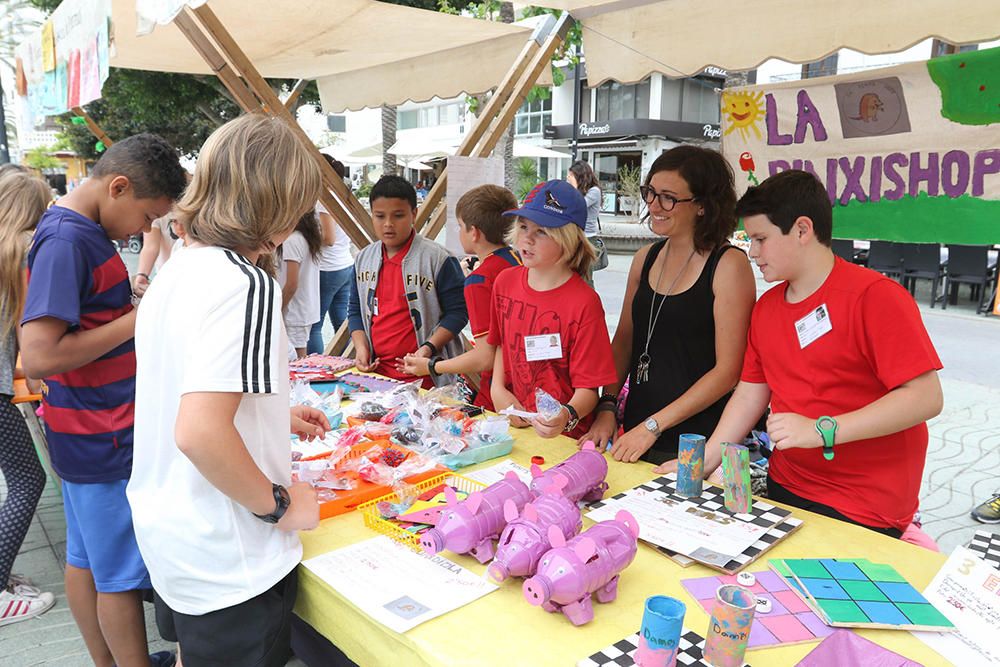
{"type": "Point", "coordinates": [553, 203]}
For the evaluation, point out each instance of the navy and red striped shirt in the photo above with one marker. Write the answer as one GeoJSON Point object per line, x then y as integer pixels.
{"type": "Point", "coordinates": [76, 275]}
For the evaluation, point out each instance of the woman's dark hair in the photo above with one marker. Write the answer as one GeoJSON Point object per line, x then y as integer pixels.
{"type": "Point", "coordinates": [337, 165]}
{"type": "Point", "coordinates": [308, 226]}
{"type": "Point", "coordinates": [584, 175]}
{"type": "Point", "coordinates": [711, 181]}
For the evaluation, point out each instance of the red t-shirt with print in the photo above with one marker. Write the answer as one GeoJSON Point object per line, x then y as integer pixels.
{"type": "Point", "coordinates": [877, 343]}
{"type": "Point", "coordinates": [574, 313]}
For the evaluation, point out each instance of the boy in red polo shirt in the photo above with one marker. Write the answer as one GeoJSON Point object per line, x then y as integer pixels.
{"type": "Point", "coordinates": [406, 296]}
{"type": "Point", "coordinates": [842, 356]}
{"type": "Point", "coordinates": [482, 228]}
{"type": "Point", "coordinates": [77, 334]}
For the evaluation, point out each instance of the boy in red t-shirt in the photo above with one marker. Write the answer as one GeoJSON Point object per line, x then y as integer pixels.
{"type": "Point", "coordinates": [842, 356]}
{"type": "Point", "coordinates": [482, 228]}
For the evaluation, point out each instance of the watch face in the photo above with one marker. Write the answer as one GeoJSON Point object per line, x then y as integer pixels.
{"type": "Point", "coordinates": [826, 423]}
{"type": "Point", "coordinates": [652, 426]}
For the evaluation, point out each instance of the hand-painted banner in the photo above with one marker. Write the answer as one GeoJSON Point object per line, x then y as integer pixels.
{"type": "Point", "coordinates": [907, 153]}
{"type": "Point", "coordinates": [65, 62]}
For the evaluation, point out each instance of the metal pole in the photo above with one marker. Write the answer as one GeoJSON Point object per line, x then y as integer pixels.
{"type": "Point", "coordinates": [4, 147]}
{"type": "Point", "coordinates": [577, 94]}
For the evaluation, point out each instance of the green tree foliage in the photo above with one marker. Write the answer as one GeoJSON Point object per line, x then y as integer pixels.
{"type": "Point", "coordinates": [39, 158]}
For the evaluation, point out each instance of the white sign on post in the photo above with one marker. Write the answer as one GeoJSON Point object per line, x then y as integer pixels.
{"type": "Point", "coordinates": [465, 173]}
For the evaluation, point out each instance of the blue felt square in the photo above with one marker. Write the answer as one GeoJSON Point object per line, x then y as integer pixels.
{"type": "Point", "coordinates": [883, 612]}
{"type": "Point", "coordinates": [900, 592]}
{"type": "Point", "coordinates": [825, 589]}
{"type": "Point", "coordinates": [841, 570]}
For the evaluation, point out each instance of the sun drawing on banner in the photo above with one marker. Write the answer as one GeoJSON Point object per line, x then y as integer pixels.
{"type": "Point", "coordinates": [743, 111]}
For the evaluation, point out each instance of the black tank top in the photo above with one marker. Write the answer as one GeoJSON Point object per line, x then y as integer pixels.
{"type": "Point", "coordinates": [681, 350]}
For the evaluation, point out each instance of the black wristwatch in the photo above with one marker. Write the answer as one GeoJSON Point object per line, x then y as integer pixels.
{"type": "Point", "coordinates": [431, 368]}
{"type": "Point", "coordinates": [281, 502]}
{"type": "Point", "coordinates": [433, 348]}
{"type": "Point", "coordinates": [574, 418]}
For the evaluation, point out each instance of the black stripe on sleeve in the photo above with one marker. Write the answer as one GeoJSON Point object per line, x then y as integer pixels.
{"type": "Point", "coordinates": [247, 329]}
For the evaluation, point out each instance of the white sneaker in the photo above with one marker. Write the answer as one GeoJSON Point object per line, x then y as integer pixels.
{"type": "Point", "coordinates": [16, 607]}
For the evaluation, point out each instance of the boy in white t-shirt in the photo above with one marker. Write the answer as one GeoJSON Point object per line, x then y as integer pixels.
{"type": "Point", "coordinates": [213, 518]}
{"type": "Point", "coordinates": [298, 275]}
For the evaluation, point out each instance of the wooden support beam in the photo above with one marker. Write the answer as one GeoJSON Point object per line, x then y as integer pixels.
{"type": "Point", "coordinates": [94, 128]}
{"type": "Point", "coordinates": [340, 341]}
{"type": "Point", "coordinates": [300, 85]}
{"type": "Point", "coordinates": [352, 216]}
{"type": "Point", "coordinates": [233, 83]}
{"type": "Point", "coordinates": [497, 124]}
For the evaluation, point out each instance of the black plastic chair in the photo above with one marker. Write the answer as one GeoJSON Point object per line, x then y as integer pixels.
{"type": "Point", "coordinates": [844, 248]}
{"type": "Point", "coordinates": [886, 257]}
{"type": "Point", "coordinates": [922, 261]}
{"type": "Point", "coordinates": [969, 265]}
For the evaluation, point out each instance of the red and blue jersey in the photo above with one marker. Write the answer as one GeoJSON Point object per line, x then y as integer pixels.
{"type": "Point", "coordinates": [76, 275]}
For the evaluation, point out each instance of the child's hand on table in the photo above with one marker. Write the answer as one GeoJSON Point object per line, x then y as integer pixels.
{"type": "Point", "coordinates": [303, 509]}
{"type": "Point", "coordinates": [308, 423]}
{"type": "Point", "coordinates": [787, 430]}
{"type": "Point", "coordinates": [416, 365]}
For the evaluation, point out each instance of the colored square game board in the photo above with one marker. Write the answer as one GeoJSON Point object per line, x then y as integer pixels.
{"type": "Point", "coordinates": [790, 620]}
{"type": "Point", "coordinates": [779, 521]}
{"type": "Point", "coordinates": [620, 654]}
{"type": "Point", "coordinates": [369, 383]}
{"type": "Point", "coordinates": [860, 593]}
{"type": "Point", "coordinates": [987, 546]}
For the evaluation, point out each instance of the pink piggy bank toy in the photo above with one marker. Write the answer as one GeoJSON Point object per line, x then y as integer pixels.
{"type": "Point", "coordinates": [584, 471]}
{"type": "Point", "coordinates": [588, 563]}
{"type": "Point", "coordinates": [471, 526]}
{"type": "Point", "coordinates": [526, 537]}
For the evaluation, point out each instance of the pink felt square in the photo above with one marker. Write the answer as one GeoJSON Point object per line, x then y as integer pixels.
{"type": "Point", "coordinates": [791, 601]}
{"type": "Point", "coordinates": [786, 628]}
{"type": "Point", "coordinates": [731, 579]}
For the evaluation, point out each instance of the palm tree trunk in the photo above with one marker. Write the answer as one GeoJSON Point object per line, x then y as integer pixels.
{"type": "Point", "coordinates": [506, 144]}
{"type": "Point", "coordinates": [389, 166]}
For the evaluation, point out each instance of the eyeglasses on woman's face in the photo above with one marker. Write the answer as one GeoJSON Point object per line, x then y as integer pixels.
{"type": "Point", "coordinates": [667, 202]}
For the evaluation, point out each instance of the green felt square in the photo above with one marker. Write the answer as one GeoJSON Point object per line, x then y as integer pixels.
{"type": "Point", "coordinates": [881, 572]}
{"type": "Point", "coordinates": [862, 590]}
{"type": "Point", "coordinates": [779, 566]}
{"type": "Point", "coordinates": [924, 614]}
{"type": "Point", "coordinates": [843, 611]}
{"type": "Point", "coordinates": [808, 567]}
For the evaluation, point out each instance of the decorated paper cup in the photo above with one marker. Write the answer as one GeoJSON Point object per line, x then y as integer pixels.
{"type": "Point", "coordinates": [729, 627]}
{"type": "Point", "coordinates": [661, 632]}
{"type": "Point", "coordinates": [690, 465]}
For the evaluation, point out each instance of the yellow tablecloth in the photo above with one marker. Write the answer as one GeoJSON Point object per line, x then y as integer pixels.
{"type": "Point", "coordinates": [503, 629]}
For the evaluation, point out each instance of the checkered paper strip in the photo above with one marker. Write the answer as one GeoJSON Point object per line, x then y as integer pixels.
{"type": "Point", "coordinates": [621, 653]}
{"type": "Point", "coordinates": [779, 521]}
{"type": "Point", "coordinates": [987, 546]}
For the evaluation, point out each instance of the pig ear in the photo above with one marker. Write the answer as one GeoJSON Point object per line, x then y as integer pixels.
{"type": "Point", "coordinates": [589, 446]}
{"type": "Point", "coordinates": [530, 513]}
{"type": "Point", "coordinates": [449, 496]}
{"type": "Point", "coordinates": [536, 471]}
{"type": "Point", "coordinates": [556, 537]}
{"type": "Point", "coordinates": [585, 548]}
{"type": "Point", "coordinates": [474, 501]}
{"type": "Point", "coordinates": [511, 476]}
{"type": "Point", "coordinates": [509, 510]}
{"type": "Point", "coordinates": [628, 520]}
{"type": "Point", "coordinates": [559, 482]}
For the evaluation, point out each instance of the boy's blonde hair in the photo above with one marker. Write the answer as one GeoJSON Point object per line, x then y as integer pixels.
{"type": "Point", "coordinates": [23, 199]}
{"type": "Point", "coordinates": [577, 251]}
{"type": "Point", "coordinates": [254, 179]}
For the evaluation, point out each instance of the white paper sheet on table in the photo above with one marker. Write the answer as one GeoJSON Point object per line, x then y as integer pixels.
{"type": "Point", "coordinates": [396, 586]}
{"type": "Point", "coordinates": [497, 472]}
{"type": "Point", "coordinates": [967, 590]}
{"type": "Point", "coordinates": [681, 526]}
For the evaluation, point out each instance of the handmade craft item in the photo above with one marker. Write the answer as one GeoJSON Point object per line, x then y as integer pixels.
{"type": "Point", "coordinates": [660, 633]}
{"type": "Point", "coordinates": [584, 471]}
{"type": "Point", "coordinates": [736, 478]}
{"type": "Point", "coordinates": [690, 465]}
{"type": "Point", "coordinates": [729, 628]}
{"type": "Point", "coordinates": [526, 537]}
{"type": "Point", "coordinates": [471, 526]}
{"type": "Point", "coordinates": [589, 563]}
{"type": "Point", "coordinates": [622, 652]}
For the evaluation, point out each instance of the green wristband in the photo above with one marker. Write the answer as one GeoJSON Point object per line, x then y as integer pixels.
{"type": "Point", "coordinates": [827, 429]}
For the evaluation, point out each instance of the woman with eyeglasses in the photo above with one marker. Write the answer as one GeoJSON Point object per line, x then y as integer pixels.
{"type": "Point", "coordinates": [683, 325]}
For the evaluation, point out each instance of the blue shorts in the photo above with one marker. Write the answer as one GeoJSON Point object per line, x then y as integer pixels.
{"type": "Point", "coordinates": [100, 538]}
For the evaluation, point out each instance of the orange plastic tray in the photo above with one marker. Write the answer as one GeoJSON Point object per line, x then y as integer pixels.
{"type": "Point", "coordinates": [347, 501]}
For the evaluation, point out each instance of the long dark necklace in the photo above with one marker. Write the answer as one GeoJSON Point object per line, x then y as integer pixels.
{"type": "Point", "coordinates": [642, 371]}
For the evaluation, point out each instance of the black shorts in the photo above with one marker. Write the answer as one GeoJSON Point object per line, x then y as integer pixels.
{"type": "Point", "coordinates": [255, 633]}
{"type": "Point", "coordinates": [780, 494]}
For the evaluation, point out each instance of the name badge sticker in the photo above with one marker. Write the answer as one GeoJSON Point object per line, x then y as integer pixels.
{"type": "Point", "coordinates": [542, 347]}
{"type": "Point", "coordinates": [813, 326]}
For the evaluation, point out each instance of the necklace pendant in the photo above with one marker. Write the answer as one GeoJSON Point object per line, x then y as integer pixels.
{"type": "Point", "coordinates": [642, 371]}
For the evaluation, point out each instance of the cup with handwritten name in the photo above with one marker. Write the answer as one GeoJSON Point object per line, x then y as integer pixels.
{"type": "Point", "coordinates": [660, 632]}
{"type": "Point", "coordinates": [729, 627]}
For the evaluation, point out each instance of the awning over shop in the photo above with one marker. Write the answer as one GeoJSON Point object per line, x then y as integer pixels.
{"type": "Point", "coordinates": [626, 40]}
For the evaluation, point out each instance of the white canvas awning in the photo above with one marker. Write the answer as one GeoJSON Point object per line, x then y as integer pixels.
{"type": "Point", "coordinates": [361, 52]}
{"type": "Point", "coordinates": [626, 40]}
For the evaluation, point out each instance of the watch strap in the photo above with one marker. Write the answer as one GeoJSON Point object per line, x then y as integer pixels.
{"type": "Point", "coordinates": [281, 503]}
{"type": "Point", "coordinates": [827, 428]}
{"type": "Point", "coordinates": [574, 417]}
